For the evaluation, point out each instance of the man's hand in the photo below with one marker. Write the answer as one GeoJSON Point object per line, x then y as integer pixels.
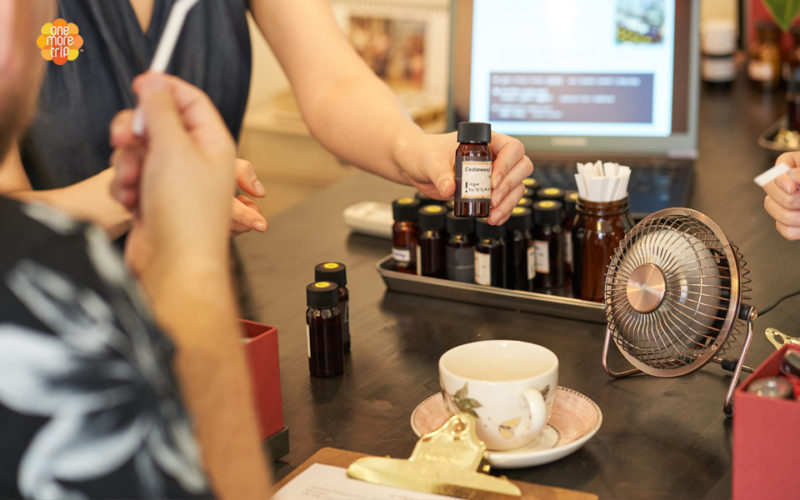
{"type": "Point", "coordinates": [783, 198]}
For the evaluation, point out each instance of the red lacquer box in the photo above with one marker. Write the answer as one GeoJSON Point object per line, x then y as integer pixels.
{"type": "Point", "coordinates": [261, 344]}
{"type": "Point", "coordinates": [766, 439]}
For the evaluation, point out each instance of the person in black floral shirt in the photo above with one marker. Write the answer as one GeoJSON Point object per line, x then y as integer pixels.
{"type": "Point", "coordinates": [94, 398]}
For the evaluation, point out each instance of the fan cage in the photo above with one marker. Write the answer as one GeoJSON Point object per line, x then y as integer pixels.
{"type": "Point", "coordinates": [705, 281]}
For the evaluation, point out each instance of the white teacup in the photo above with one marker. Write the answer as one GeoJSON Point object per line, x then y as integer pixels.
{"type": "Point", "coordinates": [508, 385]}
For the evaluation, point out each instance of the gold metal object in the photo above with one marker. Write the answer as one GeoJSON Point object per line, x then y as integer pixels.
{"type": "Point", "coordinates": [778, 339]}
{"type": "Point", "coordinates": [645, 288]}
{"type": "Point", "coordinates": [444, 462]}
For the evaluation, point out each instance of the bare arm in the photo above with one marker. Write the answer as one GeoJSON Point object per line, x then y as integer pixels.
{"type": "Point", "coordinates": [356, 116]}
{"type": "Point", "coordinates": [188, 145]}
{"type": "Point", "coordinates": [86, 200]}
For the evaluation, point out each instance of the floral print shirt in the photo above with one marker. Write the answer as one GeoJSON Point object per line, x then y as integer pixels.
{"type": "Point", "coordinates": [89, 405]}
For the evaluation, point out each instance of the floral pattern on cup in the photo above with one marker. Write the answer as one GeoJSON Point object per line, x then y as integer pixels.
{"type": "Point", "coordinates": [462, 401]}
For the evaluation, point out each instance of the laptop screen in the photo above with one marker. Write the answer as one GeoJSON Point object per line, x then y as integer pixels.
{"type": "Point", "coordinates": [579, 75]}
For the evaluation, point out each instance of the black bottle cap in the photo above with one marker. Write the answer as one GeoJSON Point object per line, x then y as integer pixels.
{"type": "Point", "coordinates": [427, 200]}
{"type": "Point", "coordinates": [570, 202]}
{"type": "Point", "coordinates": [451, 205]}
{"type": "Point", "coordinates": [432, 217]}
{"type": "Point", "coordinates": [550, 193]}
{"type": "Point", "coordinates": [528, 193]}
{"type": "Point", "coordinates": [474, 132]}
{"type": "Point", "coordinates": [531, 183]}
{"type": "Point", "coordinates": [547, 212]}
{"type": "Point", "coordinates": [485, 230]}
{"type": "Point", "coordinates": [521, 219]}
{"type": "Point", "coordinates": [331, 271]}
{"type": "Point", "coordinates": [460, 225]}
{"type": "Point", "coordinates": [525, 202]}
{"type": "Point", "coordinates": [322, 294]}
{"type": "Point", "coordinates": [405, 209]}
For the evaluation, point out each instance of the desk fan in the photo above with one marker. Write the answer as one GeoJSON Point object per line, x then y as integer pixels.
{"type": "Point", "coordinates": [674, 293]}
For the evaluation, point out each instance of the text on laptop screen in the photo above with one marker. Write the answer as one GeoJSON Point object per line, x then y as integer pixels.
{"type": "Point", "coordinates": [603, 67]}
{"type": "Point", "coordinates": [591, 68]}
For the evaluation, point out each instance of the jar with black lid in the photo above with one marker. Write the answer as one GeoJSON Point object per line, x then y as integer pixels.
{"type": "Point", "coordinates": [460, 249]}
{"type": "Point", "coordinates": [490, 254]}
{"type": "Point", "coordinates": [324, 330]}
{"type": "Point", "coordinates": [336, 272]}
{"type": "Point", "coordinates": [430, 258]}
{"type": "Point", "coordinates": [549, 245]}
{"type": "Point", "coordinates": [519, 250]}
{"type": "Point", "coordinates": [404, 234]}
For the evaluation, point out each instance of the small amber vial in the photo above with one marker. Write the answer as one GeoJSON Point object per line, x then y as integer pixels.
{"type": "Point", "coordinates": [473, 170]}
{"type": "Point", "coordinates": [431, 255]}
{"type": "Point", "coordinates": [550, 193]}
{"type": "Point", "coordinates": [532, 184]}
{"type": "Point", "coordinates": [519, 250]}
{"type": "Point", "coordinates": [548, 246]}
{"type": "Point", "coordinates": [570, 209]}
{"type": "Point", "coordinates": [490, 254]}
{"type": "Point", "coordinates": [460, 249]}
{"type": "Point", "coordinates": [324, 330]}
{"type": "Point", "coordinates": [404, 234]}
{"type": "Point", "coordinates": [336, 272]}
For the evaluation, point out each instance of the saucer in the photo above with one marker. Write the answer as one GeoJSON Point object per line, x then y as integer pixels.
{"type": "Point", "coordinates": [576, 418]}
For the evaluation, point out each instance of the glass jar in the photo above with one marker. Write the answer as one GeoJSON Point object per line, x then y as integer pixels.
{"type": "Point", "coordinates": [599, 228]}
{"type": "Point", "coordinates": [764, 66]}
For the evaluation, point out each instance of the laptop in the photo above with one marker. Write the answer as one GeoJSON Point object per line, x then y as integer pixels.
{"type": "Point", "coordinates": [585, 80]}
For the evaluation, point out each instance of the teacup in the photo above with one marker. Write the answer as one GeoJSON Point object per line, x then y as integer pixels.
{"type": "Point", "coordinates": [507, 385]}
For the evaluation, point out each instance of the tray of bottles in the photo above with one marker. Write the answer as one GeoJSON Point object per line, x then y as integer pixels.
{"type": "Point", "coordinates": [560, 303]}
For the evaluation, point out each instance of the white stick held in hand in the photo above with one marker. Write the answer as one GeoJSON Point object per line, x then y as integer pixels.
{"type": "Point", "coordinates": [165, 48]}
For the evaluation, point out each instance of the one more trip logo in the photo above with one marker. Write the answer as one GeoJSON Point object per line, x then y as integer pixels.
{"type": "Point", "coordinates": [60, 41]}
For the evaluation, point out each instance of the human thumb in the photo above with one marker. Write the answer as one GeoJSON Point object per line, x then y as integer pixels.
{"type": "Point", "coordinates": [163, 122]}
{"type": "Point", "coordinates": [444, 181]}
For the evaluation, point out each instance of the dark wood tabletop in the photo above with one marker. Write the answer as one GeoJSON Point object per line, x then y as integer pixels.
{"type": "Point", "coordinates": [660, 438]}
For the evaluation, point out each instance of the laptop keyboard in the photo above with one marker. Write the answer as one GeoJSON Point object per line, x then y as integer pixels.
{"type": "Point", "coordinates": [655, 183]}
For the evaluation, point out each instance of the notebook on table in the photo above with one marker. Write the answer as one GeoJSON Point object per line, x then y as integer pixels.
{"type": "Point", "coordinates": [585, 80]}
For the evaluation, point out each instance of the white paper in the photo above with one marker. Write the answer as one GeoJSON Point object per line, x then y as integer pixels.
{"type": "Point", "coordinates": [326, 482]}
{"type": "Point", "coordinates": [770, 175]}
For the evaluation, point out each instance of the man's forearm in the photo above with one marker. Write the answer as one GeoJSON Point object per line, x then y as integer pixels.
{"type": "Point", "coordinates": [195, 305]}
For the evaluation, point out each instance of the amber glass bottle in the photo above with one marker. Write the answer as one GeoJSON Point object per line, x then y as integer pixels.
{"type": "Point", "coordinates": [404, 234]}
{"type": "Point", "coordinates": [490, 254]}
{"type": "Point", "coordinates": [324, 330]}
{"type": "Point", "coordinates": [519, 250]}
{"type": "Point", "coordinates": [336, 272]}
{"type": "Point", "coordinates": [549, 246]}
{"type": "Point", "coordinates": [532, 184]}
{"type": "Point", "coordinates": [473, 170]}
{"type": "Point", "coordinates": [460, 249]}
{"type": "Point", "coordinates": [599, 228]}
{"type": "Point", "coordinates": [570, 208]}
{"type": "Point", "coordinates": [430, 259]}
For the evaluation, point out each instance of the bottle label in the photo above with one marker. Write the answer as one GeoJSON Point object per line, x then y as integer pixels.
{"type": "Point", "coordinates": [483, 268]}
{"type": "Point", "coordinates": [531, 262]}
{"type": "Point", "coordinates": [568, 247]}
{"type": "Point", "coordinates": [476, 179]}
{"type": "Point", "coordinates": [460, 264]}
{"type": "Point", "coordinates": [402, 255]}
{"type": "Point", "coordinates": [308, 341]}
{"type": "Point", "coordinates": [542, 256]}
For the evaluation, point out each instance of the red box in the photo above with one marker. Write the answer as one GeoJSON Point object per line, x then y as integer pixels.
{"type": "Point", "coordinates": [261, 345]}
{"type": "Point", "coordinates": [766, 439]}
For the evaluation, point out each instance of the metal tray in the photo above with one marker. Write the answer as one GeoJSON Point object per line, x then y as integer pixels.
{"type": "Point", "coordinates": [538, 303]}
{"type": "Point", "coordinates": [767, 139]}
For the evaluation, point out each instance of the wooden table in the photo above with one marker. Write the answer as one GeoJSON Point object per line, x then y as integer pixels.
{"type": "Point", "coordinates": [661, 438]}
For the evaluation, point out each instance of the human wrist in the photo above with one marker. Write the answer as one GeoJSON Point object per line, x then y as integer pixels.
{"type": "Point", "coordinates": [405, 149]}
